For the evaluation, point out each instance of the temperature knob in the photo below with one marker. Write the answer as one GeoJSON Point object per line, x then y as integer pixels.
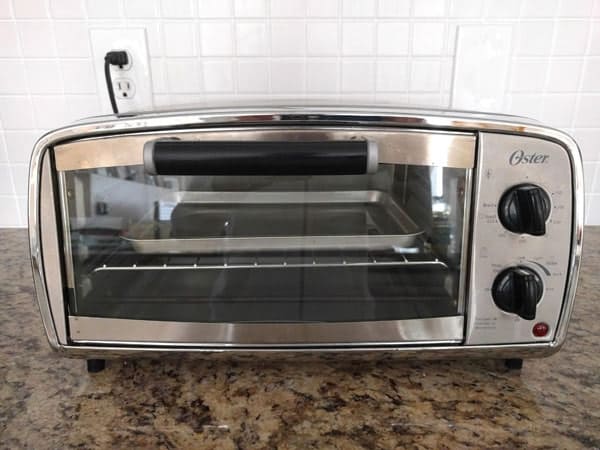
{"type": "Point", "coordinates": [518, 290]}
{"type": "Point", "coordinates": [525, 209]}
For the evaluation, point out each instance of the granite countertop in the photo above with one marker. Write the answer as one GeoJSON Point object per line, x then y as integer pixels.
{"type": "Point", "coordinates": [50, 402]}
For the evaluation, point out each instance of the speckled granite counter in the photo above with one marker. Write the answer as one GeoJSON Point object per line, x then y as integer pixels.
{"type": "Point", "coordinates": [48, 402]}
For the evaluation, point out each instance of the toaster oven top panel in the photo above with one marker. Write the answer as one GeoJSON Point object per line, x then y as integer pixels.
{"type": "Point", "coordinates": [395, 146]}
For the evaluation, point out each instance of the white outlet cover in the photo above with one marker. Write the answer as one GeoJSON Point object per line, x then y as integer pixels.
{"type": "Point", "coordinates": [134, 41]}
{"type": "Point", "coordinates": [481, 67]}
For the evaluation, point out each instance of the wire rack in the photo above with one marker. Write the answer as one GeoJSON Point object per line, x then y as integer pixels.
{"type": "Point", "coordinates": [258, 261]}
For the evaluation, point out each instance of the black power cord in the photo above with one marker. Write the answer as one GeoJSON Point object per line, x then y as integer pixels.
{"type": "Point", "coordinates": [113, 58]}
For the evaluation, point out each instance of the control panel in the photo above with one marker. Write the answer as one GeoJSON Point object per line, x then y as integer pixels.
{"type": "Point", "coordinates": [521, 235]}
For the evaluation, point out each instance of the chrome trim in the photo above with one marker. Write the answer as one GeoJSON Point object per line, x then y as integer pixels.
{"type": "Point", "coordinates": [372, 156]}
{"type": "Point", "coordinates": [66, 226]}
{"type": "Point", "coordinates": [35, 200]}
{"type": "Point", "coordinates": [367, 196]}
{"type": "Point", "coordinates": [51, 256]}
{"type": "Point", "coordinates": [294, 108]}
{"type": "Point", "coordinates": [435, 148]}
{"type": "Point", "coordinates": [368, 353]}
{"type": "Point", "coordinates": [576, 237]}
{"type": "Point", "coordinates": [197, 334]}
{"type": "Point", "coordinates": [465, 242]}
{"type": "Point", "coordinates": [313, 115]}
{"type": "Point", "coordinates": [148, 152]}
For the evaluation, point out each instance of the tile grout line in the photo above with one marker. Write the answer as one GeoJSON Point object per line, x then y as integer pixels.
{"type": "Point", "coordinates": [340, 49]}
{"type": "Point", "coordinates": [410, 56]}
{"type": "Point", "coordinates": [20, 213]}
{"type": "Point", "coordinates": [374, 59]}
{"type": "Point", "coordinates": [548, 60]}
{"type": "Point", "coordinates": [269, 35]}
{"type": "Point", "coordinates": [305, 47]}
{"type": "Point", "coordinates": [576, 109]}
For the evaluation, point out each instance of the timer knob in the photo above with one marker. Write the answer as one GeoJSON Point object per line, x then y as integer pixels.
{"type": "Point", "coordinates": [518, 290]}
{"type": "Point", "coordinates": [525, 209]}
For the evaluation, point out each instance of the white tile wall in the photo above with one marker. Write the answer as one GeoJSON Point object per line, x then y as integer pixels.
{"type": "Point", "coordinates": [218, 76]}
{"type": "Point", "coordinates": [322, 38]}
{"type": "Point", "coordinates": [216, 39]}
{"type": "Point", "coordinates": [401, 51]}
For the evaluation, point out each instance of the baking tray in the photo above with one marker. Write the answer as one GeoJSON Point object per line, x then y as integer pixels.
{"type": "Point", "coordinates": [222, 222]}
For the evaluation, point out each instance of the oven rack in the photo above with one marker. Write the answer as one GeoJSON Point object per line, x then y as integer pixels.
{"type": "Point", "coordinates": [277, 261]}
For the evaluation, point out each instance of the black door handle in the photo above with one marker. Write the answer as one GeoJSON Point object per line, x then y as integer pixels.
{"type": "Point", "coordinates": [177, 157]}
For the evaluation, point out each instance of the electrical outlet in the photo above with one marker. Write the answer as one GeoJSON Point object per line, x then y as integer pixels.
{"type": "Point", "coordinates": [132, 83]}
{"type": "Point", "coordinates": [124, 88]}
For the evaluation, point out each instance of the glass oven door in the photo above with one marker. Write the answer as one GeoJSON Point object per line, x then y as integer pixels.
{"type": "Point", "coordinates": [218, 238]}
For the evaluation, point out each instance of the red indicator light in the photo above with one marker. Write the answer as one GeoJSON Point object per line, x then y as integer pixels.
{"type": "Point", "coordinates": [540, 329]}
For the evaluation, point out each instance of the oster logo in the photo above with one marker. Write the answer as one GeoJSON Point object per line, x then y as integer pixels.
{"type": "Point", "coordinates": [520, 157]}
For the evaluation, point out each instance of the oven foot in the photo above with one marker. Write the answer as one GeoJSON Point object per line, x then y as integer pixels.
{"type": "Point", "coordinates": [95, 365]}
{"type": "Point", "coordinates": [513, 363]}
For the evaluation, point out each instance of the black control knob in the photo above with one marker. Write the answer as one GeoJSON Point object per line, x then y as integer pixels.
{"type": "Point", "coordinates": [525, 209]}
{"type": "Point", "coordinates": [518, 290]}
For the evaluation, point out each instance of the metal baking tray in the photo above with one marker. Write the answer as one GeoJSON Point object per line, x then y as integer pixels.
{"type": "Point", "coordinates": [222, 222]}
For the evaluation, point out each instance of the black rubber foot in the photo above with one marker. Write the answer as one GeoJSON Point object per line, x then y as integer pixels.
{"type": "Point", "coordinates": [513, 363]}
{"type": "Point", "coordinates": [96, 365]}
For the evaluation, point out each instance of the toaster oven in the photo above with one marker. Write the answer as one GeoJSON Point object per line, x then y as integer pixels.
{"type": "Point", "coordinates": [288, 230]}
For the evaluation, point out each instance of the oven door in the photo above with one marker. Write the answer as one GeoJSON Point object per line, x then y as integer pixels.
{"type": "Point", "coordinates": [259, 237]}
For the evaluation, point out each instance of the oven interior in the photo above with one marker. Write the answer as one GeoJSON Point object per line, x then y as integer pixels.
{"type": "Point", "coordinates": [270, 249]}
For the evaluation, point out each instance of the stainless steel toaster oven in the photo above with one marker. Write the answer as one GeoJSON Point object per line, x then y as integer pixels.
{"type": "Point", "coordinates": [287, 230]}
